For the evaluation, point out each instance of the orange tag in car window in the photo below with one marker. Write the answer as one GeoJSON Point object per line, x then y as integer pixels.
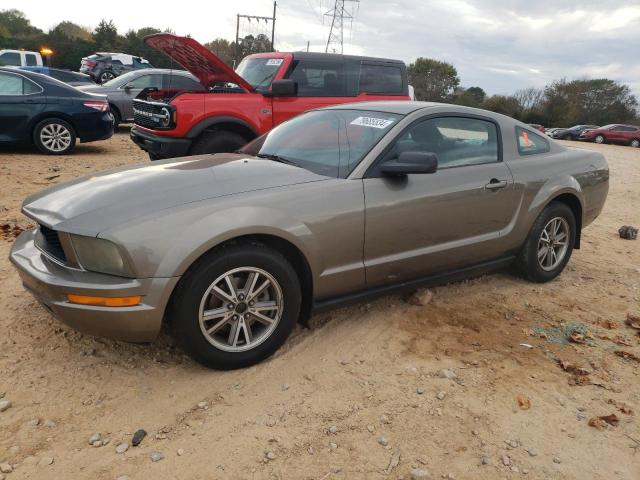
{"type": "Point", "coordinates": [525, 139]}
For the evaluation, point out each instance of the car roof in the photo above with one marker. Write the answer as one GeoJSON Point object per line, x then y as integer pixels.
{"type": "Point", "coordinates": [337, 56]}
{"type": "Point", "coordinates": [399, 107]}
{"type": "Point", "coordinates": [173, 71]}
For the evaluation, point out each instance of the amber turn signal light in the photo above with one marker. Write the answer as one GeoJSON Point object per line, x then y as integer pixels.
{"type": "Point", "coordinates": [105, 301]}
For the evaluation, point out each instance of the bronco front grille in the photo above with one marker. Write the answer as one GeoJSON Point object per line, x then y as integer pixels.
{"type": "Point", "coordinates": [49, 241]}
{"type": "Point", "coordinates": [148, 114]}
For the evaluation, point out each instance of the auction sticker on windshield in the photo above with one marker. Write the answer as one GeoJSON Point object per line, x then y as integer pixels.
{"type": "Point", "coordinates": [274, 61]}
{"type": "Point", "coordinates": [372, 122]}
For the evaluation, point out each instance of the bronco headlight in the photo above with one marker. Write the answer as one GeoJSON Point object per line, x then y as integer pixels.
{"type": "Point", "coordinates": [165, 117]}
{"type": "Point", "coordinates": [100, 255]}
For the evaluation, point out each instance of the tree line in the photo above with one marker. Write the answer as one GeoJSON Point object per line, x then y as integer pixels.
{"type": "Point", "coordinates": [561, 103]}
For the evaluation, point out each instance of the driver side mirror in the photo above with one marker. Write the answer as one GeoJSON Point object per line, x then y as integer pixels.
{"type": "Point", "coordinates": [411, 162]}
{"type": "Point", "coordinates": [127, 88]}
{"type": "Point", "coordinates": [284, 88]}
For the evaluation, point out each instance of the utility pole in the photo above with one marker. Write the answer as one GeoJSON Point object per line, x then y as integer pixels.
{"type": "Point", "coordinates": [338, 15]}
{"type": "Point", "coordinates": [257, 18]}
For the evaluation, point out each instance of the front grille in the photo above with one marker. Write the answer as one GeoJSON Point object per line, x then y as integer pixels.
{"type": "Point", "coordinates": [49, 241]}
{"type": "Point", "coordinates": [147, 114]}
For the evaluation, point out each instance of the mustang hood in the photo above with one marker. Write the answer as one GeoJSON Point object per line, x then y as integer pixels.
{"type": "Point", "coordinates": [197, 59]}
{"type": "Point", "coordinates": [95, 203]}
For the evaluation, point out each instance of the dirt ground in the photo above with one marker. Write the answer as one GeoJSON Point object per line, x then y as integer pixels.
{"type": "Point", "coordinates": [362, 394]}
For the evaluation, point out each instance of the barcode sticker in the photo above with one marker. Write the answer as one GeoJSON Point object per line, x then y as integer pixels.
{"type": "Point", "coordinates": [372, 122]}
{"type": "Point", "coordinates": [274, 61]}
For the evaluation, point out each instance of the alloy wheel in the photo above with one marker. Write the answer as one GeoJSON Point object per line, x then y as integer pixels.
{"type": "Point", "coordinates": [553, 243]}
{"type": "Point", "coordinates": [106, 76]}
{"type": "Point", "coordinates": [240, 309]}
{"type": "Point", "coordinates": [599, 139]}
{"type": "Point", "coordinates": [55, 137]}
{"type": "Point", "coordinates": [635, 143]}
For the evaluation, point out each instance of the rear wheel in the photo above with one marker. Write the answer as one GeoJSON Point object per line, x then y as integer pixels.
{"type": "Point", "coordinates": [217, 142]}
{"type": "Point", "coordinates": [106, 76]}
{"type": "Point", "coordinates": [600, 139]}
{"type": "Point", "coordinates": [236, 306]}
{"type": "Point", "coordinates": [635, 143]}
{"type": "Point", "coordinates": [54, 136]}
{"type": "Point", "coordinates": [549, 245]}
{"type": "Point", "coordinates": [116, 116]}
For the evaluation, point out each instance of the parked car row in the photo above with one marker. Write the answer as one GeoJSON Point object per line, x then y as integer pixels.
{"type": "Point", "coordinates": [614, 133]}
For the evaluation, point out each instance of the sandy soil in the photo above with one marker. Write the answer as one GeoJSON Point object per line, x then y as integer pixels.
{"type": "Point", "coordinates": [360, 394]}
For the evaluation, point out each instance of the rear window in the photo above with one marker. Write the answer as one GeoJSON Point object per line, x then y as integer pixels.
{"type": "Point", "coordinates": [381, 79]}
{"type": "Point", "coordinates": [63, 76]}
{"type": "Point", "coordinates": [530, 143]}
{"type": "Point", "coordinates": [31, 59]}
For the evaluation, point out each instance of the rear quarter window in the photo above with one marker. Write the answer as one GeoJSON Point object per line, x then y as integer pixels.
{"type": "Point", "coordinates": [383, 79]}
{"type": "Point", "coordinates": [530, 143]}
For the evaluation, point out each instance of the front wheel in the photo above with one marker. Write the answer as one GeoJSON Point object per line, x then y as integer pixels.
{"type": "Point", "coordinates": [237, 306]}
{"type": "Point", "coordinates": [600, 139]}
{"type": "Point", "coordinates": [54, 136]}
{"type": "Point", "coordinates": [635, 143]}
{"type": "Point", "coordinates": [217, 142]}
{"type": "Point", "coordinates": [549, 245]}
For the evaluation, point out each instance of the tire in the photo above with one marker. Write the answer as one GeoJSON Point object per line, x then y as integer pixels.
{"type": "Point", "coordinates": [635, 143]}
{"type": "Point", "coordinates": [217, 142]}
{"type": "Point", "coordinates": [546, 268]}
{"type": "Point", "coordinates": [116, 116]}
{"type": "Point", "coordinates": [194, 296]}
{"type": "Point", "coordinates": [106, 76]}
{"type": "Point", "coordinates": [600, 139]}
{"type": "Point", "coordinates": [54, 136]}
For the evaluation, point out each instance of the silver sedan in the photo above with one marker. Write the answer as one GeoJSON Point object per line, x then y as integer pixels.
{"type": "Point", "coordinates": [336, 205]}
{"type": "Point", "coordinates": [122, 90]}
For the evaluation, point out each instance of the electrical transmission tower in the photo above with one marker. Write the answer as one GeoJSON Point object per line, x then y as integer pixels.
{"type": "Point", "coordinates": [338, 14]}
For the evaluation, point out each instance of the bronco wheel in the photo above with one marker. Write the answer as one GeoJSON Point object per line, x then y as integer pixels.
{"type": "Point", "coordinates": [217, 142]}
{"type": "Point", "coordinates": [549, 245]}
{"type": "Point", "coordinates": [54, 136]}
{"type": "Point", "coordinates": [600, 139]}
{"type": "Point", "coordinates": [635, 143]}
{"type": "Point", "coordinates": [106, 76]}
{"type": "Point", "coordinates": [236, 306]}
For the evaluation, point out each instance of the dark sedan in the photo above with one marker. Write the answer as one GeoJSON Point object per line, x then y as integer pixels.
{"type": "Point", "coordinates": [572, 133]}
{"type": "Point", "coordinates": [42, 111]}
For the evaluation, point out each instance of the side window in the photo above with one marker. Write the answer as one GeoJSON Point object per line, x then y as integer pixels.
{"type": "Point", "coordinates": [319, 79]}
{"type": "Point", "coordinates": [182, 82]}
{"type": "Point", "coordinates": [31, 59]}
{"type": "Point", "coordinates": [457, 141]}
{"type": "Point", "coordinates": [385, 79]}
{"type": "Point", "coordinates": [530, 143]}
{"type": "Point", "coordinates": [16, 85]}
{"type": "Point", "coordinates": [146, 81]}
{"type": "Point", "coordinates": [10, 59]}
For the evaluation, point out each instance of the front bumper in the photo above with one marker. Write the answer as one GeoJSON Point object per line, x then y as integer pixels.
{"type": "Point", "coordinates": [160, 146]}
{"type": "Point", "coordinates": [50, 282]}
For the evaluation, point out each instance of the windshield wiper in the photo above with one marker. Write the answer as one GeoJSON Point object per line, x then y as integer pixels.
{"type": "Point", "coordinates": [278, 158]}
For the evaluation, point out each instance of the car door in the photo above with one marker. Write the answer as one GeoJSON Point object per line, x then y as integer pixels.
{"type": "Point", "coordinates": [422, 224]}
{"type": "Point", "coordinates": [20, 100]}
{"type": "Point", "coordinates": [131, 90]}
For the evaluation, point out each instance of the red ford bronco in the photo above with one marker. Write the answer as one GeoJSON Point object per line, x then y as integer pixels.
{"type": "Point", "coordinates": [265, 90]}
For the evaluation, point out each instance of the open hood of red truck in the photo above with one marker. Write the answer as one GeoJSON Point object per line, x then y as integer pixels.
{"type": "Point", "coordinates": [196, 58]}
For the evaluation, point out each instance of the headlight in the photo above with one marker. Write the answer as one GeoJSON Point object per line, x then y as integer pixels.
{"type": "Point", "coordinates": [100, 255]}
{"type": "Point", "coordinates": [165, 120]}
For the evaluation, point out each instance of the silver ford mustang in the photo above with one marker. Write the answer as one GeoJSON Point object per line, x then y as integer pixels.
{"type": "Point", "coordinates": [338, 204]}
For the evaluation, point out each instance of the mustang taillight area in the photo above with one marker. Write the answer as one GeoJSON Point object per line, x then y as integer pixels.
{"type": "Point", "coordinates": [101, 106]}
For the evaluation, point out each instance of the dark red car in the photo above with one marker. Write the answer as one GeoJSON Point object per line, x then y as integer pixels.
{"type": "Point", "coordinates": [265, 90]}
{"type": "Point", "coordinates": [537, 126]}
{"type": "Point", "coordinates": [614, 133]}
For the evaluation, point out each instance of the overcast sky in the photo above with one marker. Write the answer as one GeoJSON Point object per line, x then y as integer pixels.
{"type": "Point", "coordinates": [499, 45]}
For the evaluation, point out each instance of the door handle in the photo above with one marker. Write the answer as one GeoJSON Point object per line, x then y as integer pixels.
{"type": "Point", "coordinates": [495, 184]}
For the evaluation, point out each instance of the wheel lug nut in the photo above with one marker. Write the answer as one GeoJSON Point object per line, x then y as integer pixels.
{"type": "Point", "coordinates": [251, 303]}
{"type": "Point", "coordinates": [230, 306]}
{"type": "Point", "coordinates": [241, 297]}
{"type": "Point", "coordinates": [235, 317]}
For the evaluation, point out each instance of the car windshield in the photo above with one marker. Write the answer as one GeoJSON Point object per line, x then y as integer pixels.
{"type": "Point", "coordinates": [121, 80]}
{"type": "Point", "coordinates": [326, 142]}
{"type": "Point", "coordinates": [259, 72]}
